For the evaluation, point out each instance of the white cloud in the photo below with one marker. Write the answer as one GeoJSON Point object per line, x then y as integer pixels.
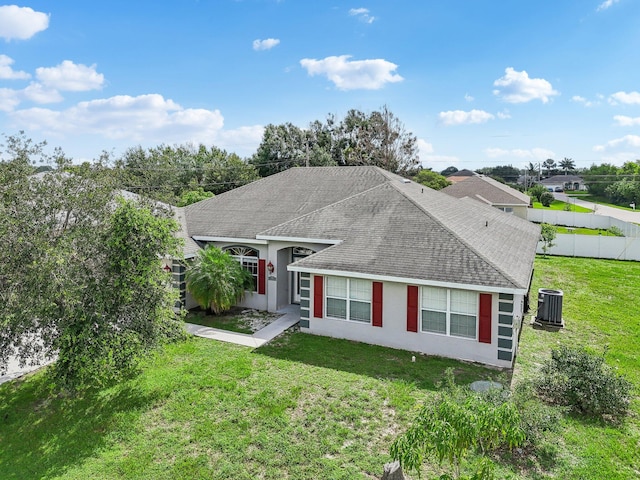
{"type": "Point", "coordinates": [145, 117]}
{"type": "Point", "coordinates": [352, 75]}
{"type": "Point", "coordinates": [38, 93]}
{"type": "Point", "coordinates": [70, 77]}
{"type": "Point", "coordinates": [8, 73]}
{"type": "Point", "coordinates": [583, 101]}
{"type": "Point", "coordinates": [534, 153]}
{"type": "Point", "coordinates": [266, 44]}
{"type": "Point", "coordinates": [460, 117]}
{"type": "Point", "coordinates": [468, 97]}
{"type": "Point", "coordinates": [21, 22]}
{"type": "Point", "coordinates": [9, 99]}
{"type": "Point", "coordinates": [624, 121]}
{"type": "Point", "coordinates": [606, 4]}
{"type": "Point", "coordinates": [362, 14]}
{"type": "Point", "coordinates": [504, 115]}
{"type": "Point", "coordinates": [517, 87]}
{"type": "Point", "coordinates": [242, 141]}
{"type": "Point", "coordinates": [631, 98]}
{"type": "Point", "coordinates": [438, 162]}
{"type": "Point", "coordinates": [424, 147]}
{"type": "Point", "coordinates": [628, 140]}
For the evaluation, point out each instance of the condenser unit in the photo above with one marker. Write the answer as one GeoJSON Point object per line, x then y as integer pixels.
{"type": "Point", "coordinates": [550, 307]}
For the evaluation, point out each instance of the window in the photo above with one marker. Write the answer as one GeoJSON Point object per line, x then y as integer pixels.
{"type": "Point", "coordinates": [349, 299]}
{"type": "Point", "coordinates": [449, 312]}
{"type": "Point", "coordinates": [248, 258]}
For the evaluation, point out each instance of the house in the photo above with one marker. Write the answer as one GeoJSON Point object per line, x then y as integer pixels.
{"type": "Point", "coordinates": [563, 182]}
{"type": "Point", "coordinates": [491, 192]}
{"type": "Point", "coordinates": [461, 175]}
{"type": "Point", "coordinates": [373, 257]}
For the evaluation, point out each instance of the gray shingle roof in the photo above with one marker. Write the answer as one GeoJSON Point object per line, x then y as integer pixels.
{"type": "Point", "coordinates": [561, 179]}
{"type": "Point", "coordinates": [246, 211]}
{"type": "Point", "coordinates": [407, 231]}
{"type": "Point", "coordinates": [487, 190]}
{"type": "Point", "coordinates": [386, 226]}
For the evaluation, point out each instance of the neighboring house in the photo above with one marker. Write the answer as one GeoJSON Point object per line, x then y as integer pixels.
{"type": "Point", "coordinates": [373, 257]}
{"type": "Point", "coordinates": [491, 192]}
{"type": "Point", "coordinates": [563, 182]}
{"type": "Point", "coordinates": [461, 175]}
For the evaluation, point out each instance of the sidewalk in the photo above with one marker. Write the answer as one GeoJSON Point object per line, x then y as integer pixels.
{"type": "Point", "coordinates": [291, 316]}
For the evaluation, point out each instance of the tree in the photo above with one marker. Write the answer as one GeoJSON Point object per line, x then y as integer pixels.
{"type": "Point", "coordinates": [81, 275]}
{"type": "Point", "coordinates": [224, 171]}
{"type": "Point", "coordinates": [547, 236]}
{"type": "Point", "coordinates": [599, 177]}
{"type": "Point", "coordinates": [192, 196]}
{"type": "Point", "coordinates": [431, 179]}
{"type": "Point", "coordinates": [546, 198]}
{"type": "Point", "coordinates": [455, 423]}
{"type": "Point", "coordinates": [286, 146]}
{"type": "Point", "coordinates": [536, 192]}
{"type": "Point", "coordinates": [449, 171]}
{"type": "Point", "coordinates": [502, 173]}
{"type": "Point", "coordinates": [379, 138]}
{"type": "Point", "coordinates": [549, 164]}
{"type": "Point", "coordinates": [216, 280]}
{"type": "Point", "coordinates": [567, 165]}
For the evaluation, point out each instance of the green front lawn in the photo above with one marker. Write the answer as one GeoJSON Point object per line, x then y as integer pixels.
{"type": "Point", "coordinates": [584, 231]}
{"type": "Point", "coordinates": [558, 205]}
{"type": "Point", "coordinates": [313, 407]}
{"type": "Point", "coordinates": [607, 202]}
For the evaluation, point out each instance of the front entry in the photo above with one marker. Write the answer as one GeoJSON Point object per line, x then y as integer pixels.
{"type": "Point", "coordinates": [297, 254]}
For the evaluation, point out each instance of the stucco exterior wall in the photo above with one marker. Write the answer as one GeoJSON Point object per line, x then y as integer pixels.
{"type": "Point", "coordinates": [506, 309]}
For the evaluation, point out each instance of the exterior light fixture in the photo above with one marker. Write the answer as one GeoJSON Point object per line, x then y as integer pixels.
{"type": "Point", "coordinates": [270, 267]}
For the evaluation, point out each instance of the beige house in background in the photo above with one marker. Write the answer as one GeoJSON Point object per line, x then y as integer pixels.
{"type": "Point", "coordinates": [491, 192]}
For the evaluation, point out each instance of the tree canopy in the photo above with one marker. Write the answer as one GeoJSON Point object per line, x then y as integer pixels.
{"type": "Point", "coordinates": [378, 138]}
{"type": "Point", "coordinates": [431, 179]}
{"type": "Point", "coordinates": [80, 270]}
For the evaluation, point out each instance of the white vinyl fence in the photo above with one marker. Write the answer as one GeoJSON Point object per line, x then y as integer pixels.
{"type": "Point", "coordinates": [585, 220]}
{"type": "Point", "coordinates": [592, 246]}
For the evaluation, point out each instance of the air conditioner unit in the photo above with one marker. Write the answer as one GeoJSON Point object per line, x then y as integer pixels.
{"type": "Point", "coordinates": [550, 307]}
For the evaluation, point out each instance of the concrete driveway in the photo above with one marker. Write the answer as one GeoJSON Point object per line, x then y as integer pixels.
{"type": "Point", "coordinates": [598, 209]}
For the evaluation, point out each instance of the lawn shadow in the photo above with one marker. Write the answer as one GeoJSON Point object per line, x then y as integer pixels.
{"type": "Point", "coordinates": [376, 361]}
{"type": "Point", "coordinates": [43, 434]}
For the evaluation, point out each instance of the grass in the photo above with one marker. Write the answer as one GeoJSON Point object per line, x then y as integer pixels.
{"type": "Point", "coordinates": [558, 205]}
{"type": "Point", "coordinates": [313, 407]}
{"type": "Point", "coordinates": [584, 231]}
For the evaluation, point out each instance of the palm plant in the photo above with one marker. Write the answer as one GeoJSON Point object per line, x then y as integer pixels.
{"type": "Point", "coordinates": [567, 164]}
{"type": "Point", "coordinates": [216, 280]}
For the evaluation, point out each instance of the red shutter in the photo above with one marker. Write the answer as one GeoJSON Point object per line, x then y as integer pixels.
{"type": "Point", "coordinates": [377, 304]}
{"type": "Point", "coordinates": [484, 324]}
{"type": "Point", "coordinates": [318, 296]}
{"type": "Point", "coordinates": [412, 308]}
{"type": "Point", "coordinates": [262, 278]}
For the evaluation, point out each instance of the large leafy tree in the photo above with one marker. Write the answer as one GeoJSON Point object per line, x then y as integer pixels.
{"type": "Point", "coordinates": [216, 280]}
{"type": "Point", "coordinates": [599, 177]}
{"type": "Point", "coordinates": [81, 274]}
{"type": "Point", "coordinates": [431, 179]}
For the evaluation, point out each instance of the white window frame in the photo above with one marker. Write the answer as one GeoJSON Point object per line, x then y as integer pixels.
{"type": "Point", "coordinates": [348, 298]}
{"type": "Point", "coordinates": [449, 312]}
{"type": "Point", "coordinates": [248, 262]}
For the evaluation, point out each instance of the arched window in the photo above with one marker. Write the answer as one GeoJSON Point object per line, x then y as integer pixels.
{"type": "Point", "coordinates": [248, 258]}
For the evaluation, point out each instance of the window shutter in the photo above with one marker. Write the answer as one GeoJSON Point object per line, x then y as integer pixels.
{"type": "Point", "coordinates": [318, 295]}
{"type": "Point", "coordinates": [377, 304]}
{"type": "Point", "coordinates": [262, 277]}
{"type": "Point", "coordinates": [484, 323]}
{"type": "Point", "coordinates": [412, 308]}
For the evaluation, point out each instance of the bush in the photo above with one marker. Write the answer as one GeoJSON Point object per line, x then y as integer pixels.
{"type": "Point", "coordinates": [585, 383]}
{"type": "Point", "coordinates": [536, 191]}
{"type": "Point", "coordinates": [613, 230]}
{"type": "Point", "coordinates": [546, 198]}
{"type": "Point", "coordinates": [537, 419]}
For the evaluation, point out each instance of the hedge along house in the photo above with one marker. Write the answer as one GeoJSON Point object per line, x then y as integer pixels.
{"type": "Point", "coordinates": [373, 257]}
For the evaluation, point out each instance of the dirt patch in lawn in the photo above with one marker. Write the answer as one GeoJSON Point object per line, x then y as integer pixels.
{"type": "Point", "coordinates": [240, 320]}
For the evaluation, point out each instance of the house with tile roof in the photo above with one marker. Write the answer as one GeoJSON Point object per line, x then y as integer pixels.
{"type": "Point", "coordinates": [491, 192]}
{"type": "Point", "coordinates": [373, 257]}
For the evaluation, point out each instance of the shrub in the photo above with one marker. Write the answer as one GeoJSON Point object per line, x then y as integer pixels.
{"type": "Point", "coordinates": [585, 383]}
{"type": "Point", "coordinates": [546, 198]}
{"type": "Point", "coordinates": [547, 236]}
{"type": "Point", "coordinates": [536, 191]}
{"type": "Point", "coordinates": [613, 230]}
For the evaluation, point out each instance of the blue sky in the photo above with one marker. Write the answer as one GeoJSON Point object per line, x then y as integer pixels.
{"type": "Point", "coordinates": [479, 82]}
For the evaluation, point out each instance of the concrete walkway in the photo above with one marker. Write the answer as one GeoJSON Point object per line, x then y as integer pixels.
{"type": "Point", "coordinates": [290, 316]}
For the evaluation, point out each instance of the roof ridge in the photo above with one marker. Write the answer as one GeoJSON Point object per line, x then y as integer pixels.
{"type": "Point", "coordinates": [331, 205]}
{"type": "Point", "coordinates": [460, 239]}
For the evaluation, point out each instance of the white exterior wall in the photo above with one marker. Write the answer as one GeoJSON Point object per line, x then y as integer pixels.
{"type": "Point", "coordinates": [394, 332]}
{"type": "Point", "coordinates": [595, 246]}
{"type": "Point", "coordinates": [585, 220]}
